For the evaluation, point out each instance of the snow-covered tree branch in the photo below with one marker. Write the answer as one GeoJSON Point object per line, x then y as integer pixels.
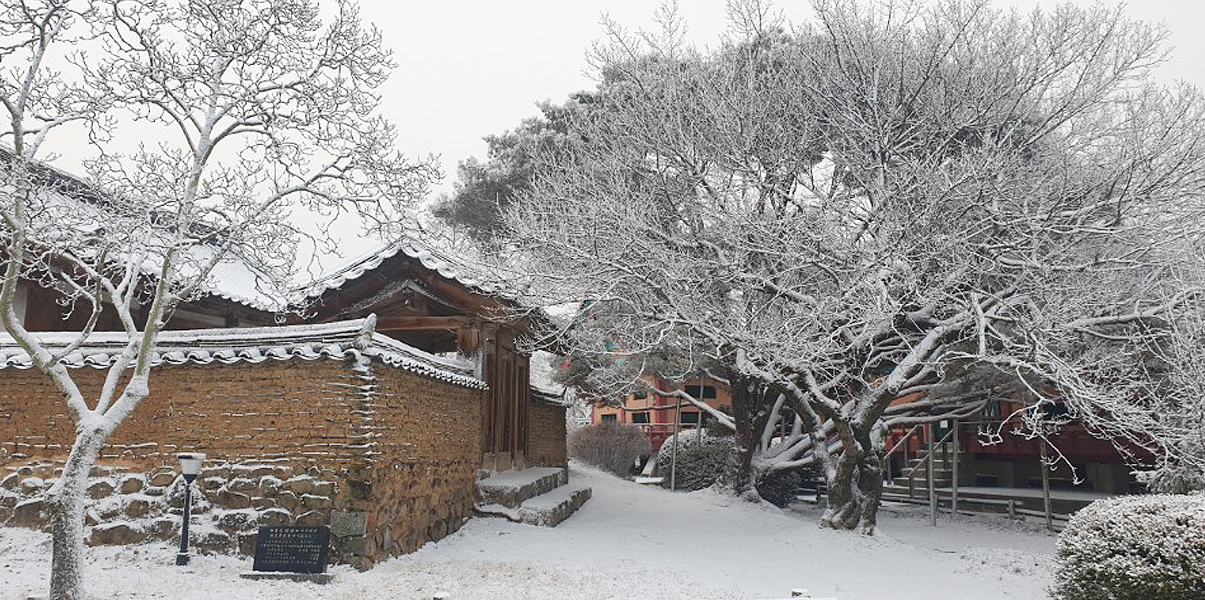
{"type": "Point", "coordinates": [251, 111]}
{"type": "Point", "coordinates": [888, 216]}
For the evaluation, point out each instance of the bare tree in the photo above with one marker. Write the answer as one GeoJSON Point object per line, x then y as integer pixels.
{"type": "Point", "coordinates": [254, 108]}
{"type": "Point", "coordinates": [891, 215]}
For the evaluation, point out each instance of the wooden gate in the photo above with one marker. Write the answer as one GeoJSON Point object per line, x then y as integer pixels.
{"type": "Point", "coordinates": [504, 418]}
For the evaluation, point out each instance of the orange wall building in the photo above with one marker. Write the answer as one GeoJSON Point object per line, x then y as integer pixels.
{"type": "Point", "coordinates": [654, 412]}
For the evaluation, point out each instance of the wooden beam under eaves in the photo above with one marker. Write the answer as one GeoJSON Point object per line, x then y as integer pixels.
{"type": "Point", "coordinates": [387, 324]}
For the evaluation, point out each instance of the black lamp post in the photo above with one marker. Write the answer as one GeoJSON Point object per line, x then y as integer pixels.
{"type": "Point", "coordinates": [190, 465]}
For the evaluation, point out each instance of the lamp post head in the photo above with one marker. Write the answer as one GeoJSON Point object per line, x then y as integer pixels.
{"type": "Point", "coordinates": [190, 464]}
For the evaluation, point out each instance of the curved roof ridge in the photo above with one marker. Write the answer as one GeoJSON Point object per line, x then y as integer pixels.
{"type": "Point", "coordinates": [409, 244]}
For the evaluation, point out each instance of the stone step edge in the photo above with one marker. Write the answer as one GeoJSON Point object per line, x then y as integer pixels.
{"type": "Point", "coordinates": [497, 510]}
{"type": "Point", "coordinates": [535, 513]}
{"type": "Point", "coordinates": [514, 497]}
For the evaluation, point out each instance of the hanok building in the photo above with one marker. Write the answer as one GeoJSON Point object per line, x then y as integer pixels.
{"type": "Point", "coordinates": [399, 407]}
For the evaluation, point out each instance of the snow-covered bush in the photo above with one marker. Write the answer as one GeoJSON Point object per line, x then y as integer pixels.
{"type": "Point", "coordinates": [779, 487]}
{"type": "Point", "coordinates": [1134, 548]}
{"type": "Point", "coordinates": [701, 463]}
{"type": "Point", "coordinates": [609, 446]}
{"type": "Point", "coordinates": [1173, 480]}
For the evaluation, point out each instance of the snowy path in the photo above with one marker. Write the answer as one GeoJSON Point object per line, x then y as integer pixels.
{"type": "Point", "coordinates": [629, 541]}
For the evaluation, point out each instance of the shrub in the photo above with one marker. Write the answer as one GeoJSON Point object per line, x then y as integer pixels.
{"type": "Point", "coordinates": [611, 447]}
{"type": "Point", "coordinates": [699, 464]}
{"type": "Point", "coordinates": [1134, 548]}
{"type": "Point", "coordinates": [779, 487]}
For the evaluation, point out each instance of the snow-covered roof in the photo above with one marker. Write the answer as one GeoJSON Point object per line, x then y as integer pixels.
{"type": "Point", "coordinates": [340, 340]}
{"type": "Point", "coordinates": [241, 282]}
{"type": "Point", "coordinates": [409, 245]}
{"type": "Point", "coordinates": [238, 279]}
{"type": "Point", "coordinates": [548, 396]}
{"type": "Point", "coordinates": [73, 210]}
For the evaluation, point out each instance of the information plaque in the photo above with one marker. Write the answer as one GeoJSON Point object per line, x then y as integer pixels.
{"type": "Point", "coordinates": [292, 549]}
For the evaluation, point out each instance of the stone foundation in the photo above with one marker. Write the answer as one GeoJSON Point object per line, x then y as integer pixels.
{"type": "Point", "coordinates": [229, 503]}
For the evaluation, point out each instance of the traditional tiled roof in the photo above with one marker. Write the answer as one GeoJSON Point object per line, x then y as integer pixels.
{"type": "Point", "coordinates": [239, 280]}
{"type": "Point", "coordinates": [547, 396]}
{"type": "Point", "coordinates": [410, 245]}
{"type": "Point", "coordinates": [76, 209]}
{"type": "Point", "coordinates": [340, 340]}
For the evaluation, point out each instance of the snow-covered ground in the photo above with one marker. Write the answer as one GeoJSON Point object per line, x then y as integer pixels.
{"type": "Point", "coordinates": [629, 541]}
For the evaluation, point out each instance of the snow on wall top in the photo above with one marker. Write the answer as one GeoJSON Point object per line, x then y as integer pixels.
{"type": "Point", "coordinates": [340, 340]}
{"type": "Point", "coordinates": [409, 245]}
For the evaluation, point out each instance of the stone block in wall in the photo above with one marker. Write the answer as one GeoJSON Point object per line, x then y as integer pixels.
{"type": "Point", "coordinates": [243, 485]}
{"type": "Point", "coordinates": [300, 485]}
{"type": "Point", "coordinates": [163, 528]}
{"type": "Point", "coordinates": [113, 534]}
{"type": "Point", "coordinates": [213, 541]}
{"type": "Point", "coordinates": [261, 503]}
{"type": "Point", "coordinates": [313, 518]}
{"type": "Point", "coordinates": [312, 502]}
{"type": "Point", "coordinates": [131, 484]}
{"type": "Point", "coordinates": [359, 489]}
{"type": "Point", "coordinates": [270, 485]}
{"type": "Point", "coordinates": [10, 481]}
{"type": "Point", "coordinates": [219, 472]}
{"type": "Point", "coordinates": [246, 542]}
{"type": "Point", "coordinates": [289, 501]}
{"type": "Point", "coordinates": [163, 478]}
{"type": "Point", "coordinates": [237, 520]}
{"type": "Point", "coordinates": [137, 508]}
{"type": "Point", "coordinates": [100, 488]}
{"type": "Point", "coordinates": [274, 517]}
{"type": "Point", "coordinates": [233, 500]}
{"type": "Point", "coordinates": [30, 514]}
{"type": "Point", "coordinates": [345, 523]}
{"type": "Point", "coordinates": [32, 485]}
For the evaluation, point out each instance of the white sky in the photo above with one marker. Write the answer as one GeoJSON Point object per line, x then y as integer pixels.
{"type": "Point", "coordinates": [471, 68]}
{"type": "Point", "coordinates": [467, 69]}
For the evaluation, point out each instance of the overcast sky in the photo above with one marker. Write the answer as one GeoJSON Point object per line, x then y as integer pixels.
{"type": "Point", "coordinates": [471, 68]}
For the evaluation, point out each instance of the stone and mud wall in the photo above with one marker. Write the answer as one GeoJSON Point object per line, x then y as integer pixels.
{"type": "Point", "coordinates": [546, 435]}
{"type": "Point", "coordinates": [383, 456]}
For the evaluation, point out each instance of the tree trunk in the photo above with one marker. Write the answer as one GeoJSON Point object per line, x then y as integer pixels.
{"type": "Point", "coordinates": [748, 408]}
{"type": "Point", "coordinates": [66, 507]}
{"type": "Point", "coordinates": [870, 488]}
{"type": "Point", "coordinates": [855, 486]}
{"type": "Point", "coordinates": [843, 510]}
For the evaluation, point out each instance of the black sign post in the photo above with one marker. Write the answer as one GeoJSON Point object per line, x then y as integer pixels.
{"type": "Point", "coordinates": [292, 552]}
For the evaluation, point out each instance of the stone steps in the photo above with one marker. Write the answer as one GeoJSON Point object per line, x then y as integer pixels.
{"type": "Point", "coordinates": [550, 509]}
{"type": "Point", "coordinates": [536, 496]}
{"type": "Point", "coordinates": [513, 488]}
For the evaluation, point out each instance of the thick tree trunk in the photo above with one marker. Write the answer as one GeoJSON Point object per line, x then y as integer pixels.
{"type": "Point", "coordinates": [843, 510]}
{"type": "Point", "coordinates": [66, 507]}
{"type": "Point", "coordinates": [855, 486]}
{"type": "Point", "coordinates": [749, 415]}
{"type": "Point", "coordinates": [870, 488]}
{"type": "Point", "coordinates": [743, 412]}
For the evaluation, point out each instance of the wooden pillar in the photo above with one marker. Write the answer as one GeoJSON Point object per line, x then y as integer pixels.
{"type": "Point", "coordinates": [954, 473]}
{"type": "Point", "coordinates": [932, 489]}
{"type": "Point", "coordinates": [1045, 485]}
